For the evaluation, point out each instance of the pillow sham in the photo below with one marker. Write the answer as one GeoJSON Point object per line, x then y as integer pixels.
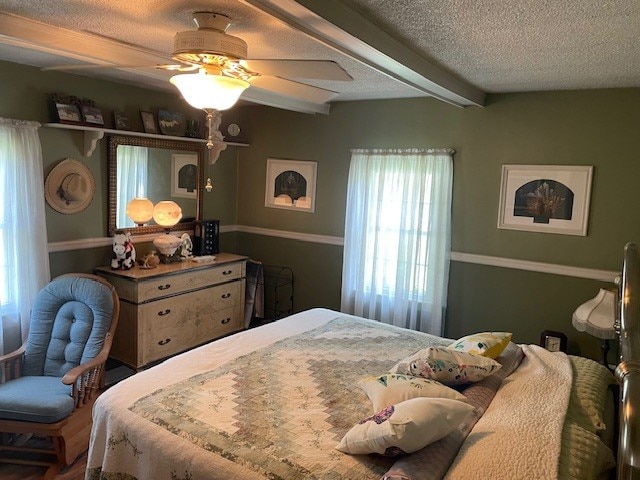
{"type": "Point", "coordinates": [487, 344]}
{"type": "Point", "coordinates": [405, 427]}
{"type": "Point", "coordinates": [447, 366]}
{"type": "Point", "coordinates": [392, 388]}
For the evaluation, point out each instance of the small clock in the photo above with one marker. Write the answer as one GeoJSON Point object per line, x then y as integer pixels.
{"type": "Point", "coordinates": [553, 341]}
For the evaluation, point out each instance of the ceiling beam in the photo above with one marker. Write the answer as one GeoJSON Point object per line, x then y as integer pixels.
{"type": "Point", "coordinates": [342, 28]}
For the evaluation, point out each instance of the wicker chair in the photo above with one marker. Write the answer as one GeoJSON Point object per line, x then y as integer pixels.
{"type": "Point", "coordinates": [51, 382]}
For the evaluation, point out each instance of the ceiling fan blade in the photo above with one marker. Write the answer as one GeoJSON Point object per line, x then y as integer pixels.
{"type": "Point", "coordinates": [289, 88]}
{"type": "Point", "coordinates": [310, 69]}
{"type": "Point", "coordinates": [69, 68]}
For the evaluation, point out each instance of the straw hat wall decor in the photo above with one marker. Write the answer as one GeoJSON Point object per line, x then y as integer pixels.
{"type": "Point", "coordinates": [69, 187]}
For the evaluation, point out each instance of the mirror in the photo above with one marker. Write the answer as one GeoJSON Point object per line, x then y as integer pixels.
{"type": "Point", "coordinates": [157, 169]}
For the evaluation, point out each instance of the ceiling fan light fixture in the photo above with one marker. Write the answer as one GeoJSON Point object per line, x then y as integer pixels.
{"type": "Point", "coordinates": [205, 91]}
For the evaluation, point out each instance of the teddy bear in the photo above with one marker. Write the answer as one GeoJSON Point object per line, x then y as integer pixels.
{"type": "Point", "coordinates": [124, 253]}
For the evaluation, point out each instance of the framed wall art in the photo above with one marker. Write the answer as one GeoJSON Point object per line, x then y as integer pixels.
{"type": "Point", "coordinates": [92, 115]}
{"type": "Point", "coordinates": [149, 122]}
{"type": "Point", "coordinates": [184, 175]}
{"type": "Point", "coordinates": [121, 121]}
{"type": "Point", "coordinates": [172, 123]}
{"type": "Point", "coordinates": [66, 113]}
{"type": "Point", "coordinates": [291, 185]}
{"type": "Point", "coordinates": [545, 198]}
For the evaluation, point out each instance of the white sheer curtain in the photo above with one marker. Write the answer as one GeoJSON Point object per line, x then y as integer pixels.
{"type": "Point", "coordinates": [24, 259]}
{"type": "Point", "coordinates": [397, 237]}
{"type": "Point", "coordinates": [133, 169]}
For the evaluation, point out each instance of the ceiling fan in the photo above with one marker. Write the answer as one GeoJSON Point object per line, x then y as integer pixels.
{"type": "Point", "coordinates": [211, 50]}
{"type": "Point", "coordinates": [211, 46]}
{"type": "Point", "coordinates": [212, 69]}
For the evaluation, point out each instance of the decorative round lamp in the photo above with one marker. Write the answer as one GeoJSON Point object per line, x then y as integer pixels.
{"type": "Point", "coordinates": [167, 214]}
{"type": "Point", "coordinates": [140, 210]}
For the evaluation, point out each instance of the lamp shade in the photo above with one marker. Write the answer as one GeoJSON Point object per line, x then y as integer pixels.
{"type": "Point", "coordinates": [209, 91]}
{"type": "Point", "coordinates": [140, 210]}
{"type": "Point", "coordinates": [167, 213]}
{"type": "Point", "coordinates": [597, 316]}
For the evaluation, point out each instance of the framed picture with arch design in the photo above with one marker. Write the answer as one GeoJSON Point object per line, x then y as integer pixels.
{"type": "Point", "coordinates": [291, 185]}
{"type": "Point", "coordinates": [545, 198]}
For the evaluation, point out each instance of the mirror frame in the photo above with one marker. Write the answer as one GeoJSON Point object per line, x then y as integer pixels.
{"type": "Point", "coordinates": [184, 145]}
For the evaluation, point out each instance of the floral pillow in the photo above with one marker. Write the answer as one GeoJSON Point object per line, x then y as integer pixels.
{"type": "Point", "coordinates": [392, 388]}
{"type": "Point", "coordinates": [447, 366]}
{"type": "Point", "coordinates": [487, 344]}
{"type": "Point", "coordinates": [406, 427]}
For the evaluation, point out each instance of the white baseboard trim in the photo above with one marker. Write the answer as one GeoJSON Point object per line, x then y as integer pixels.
{"type": "Point", "coordinates": [540, 267]}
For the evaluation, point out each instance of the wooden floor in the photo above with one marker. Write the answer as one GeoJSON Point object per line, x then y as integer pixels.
{"type": "Point", "coordinates": [24, 472]}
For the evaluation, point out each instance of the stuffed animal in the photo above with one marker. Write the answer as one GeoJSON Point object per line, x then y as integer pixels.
{"type": "Point", "coordinates": [124, 253]}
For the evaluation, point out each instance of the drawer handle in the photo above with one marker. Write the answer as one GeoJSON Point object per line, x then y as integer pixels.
{"type": "Point", "coordinates": [226, 295]}
{"type": "Point", "coordinates": [163, 313]}
{"type": "Point", "coordinates": [225, 321]}
{"type": "Point", "coordinates": [164, 342]}
{"type": "Point", "coordinates": [227, 272]}
{"type": "Point", "coordinates": [164, 287]}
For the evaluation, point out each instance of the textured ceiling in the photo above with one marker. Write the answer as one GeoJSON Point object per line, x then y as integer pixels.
{"type": "Point", "coordinates": [521, 45]}
{"type": "Point", "coordinates": [391, 48]}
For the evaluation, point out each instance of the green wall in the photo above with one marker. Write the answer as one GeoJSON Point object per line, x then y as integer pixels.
{"type": "Point", "coordinates": [568, 128]}
{"type": "Point", "coordinates": [564, 128]}
{"type": "Point", "coordinates": [25, 92]}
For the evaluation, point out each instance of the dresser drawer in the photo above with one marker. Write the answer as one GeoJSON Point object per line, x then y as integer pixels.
{"type": "Point", "coordinates": [174, 324]}
{"type": "Point", "coordinates": [175, 284]}
{"type": "Point", "coordinates": [224, 322]}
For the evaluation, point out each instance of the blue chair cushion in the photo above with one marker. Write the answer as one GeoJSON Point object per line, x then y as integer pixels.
{"type": "Point", "coordinates": [69, 321]}
{"type": "Point", "coordinates": [35, 399]}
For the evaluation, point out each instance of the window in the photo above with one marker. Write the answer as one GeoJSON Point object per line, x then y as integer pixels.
{"type": "Point", "coordinates": [397, 237]}
{"type": "Point", "coordinates": [24, 260]}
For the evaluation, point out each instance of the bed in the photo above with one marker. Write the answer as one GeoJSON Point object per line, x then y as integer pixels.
{"type": "Point", "coordinates": [308, 395]}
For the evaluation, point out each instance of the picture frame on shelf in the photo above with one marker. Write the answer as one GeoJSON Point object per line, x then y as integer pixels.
{"type": "Point", "coordinates": [184, 175]}
{"type": "Point", "coordinates": [121, 121]}
{"type": "Point", "coordinates": [149, 124]}
{"type": "Point", "coordinates": [172, 123]}
{"type": "Point", "coordinates": [291, 185]}
{"type": "Point", "coordinates": [92, 115]}
{"type": "Point", "coordinates": [68, 113]}
{"type": "Point", "coordinates": [545, 198]}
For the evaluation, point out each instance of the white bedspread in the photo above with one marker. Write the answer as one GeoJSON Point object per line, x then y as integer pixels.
{"type": "Point", "coordinates": [518, 439]}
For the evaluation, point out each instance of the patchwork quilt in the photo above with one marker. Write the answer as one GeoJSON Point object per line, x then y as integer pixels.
{"type": "Point", "coordinates": [275, 412]}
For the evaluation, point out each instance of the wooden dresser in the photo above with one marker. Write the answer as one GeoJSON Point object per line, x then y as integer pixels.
{"type": "Point", "coordinates": [175, 307]}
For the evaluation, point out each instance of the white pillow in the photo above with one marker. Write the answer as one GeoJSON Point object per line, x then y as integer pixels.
{"type": "Point", "coordinates": [406, 427]}
{"type": "Point", "coordinates": [392, 388]}
{"type": "Point", "coordinates": [447, 366]}
{"type": "Point", "coordinates": [487, 344]}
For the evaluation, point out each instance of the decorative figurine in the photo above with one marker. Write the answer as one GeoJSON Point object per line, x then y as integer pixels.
{"type": "Point", "coordinates": [150, 260]}
{"type": "Point", "coordinates": [124, 253]}
{"type": "Point", "coordinates": [186, 248]}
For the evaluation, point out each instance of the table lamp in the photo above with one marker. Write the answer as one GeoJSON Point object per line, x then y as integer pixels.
{"type": "Point", "coordinates": [167, 214]}
{"type": "Point", "coordinates": [597, 317]}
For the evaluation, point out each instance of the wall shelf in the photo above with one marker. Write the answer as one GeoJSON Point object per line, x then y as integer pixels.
{"type": "Point", "coordinates": [93, 134]}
